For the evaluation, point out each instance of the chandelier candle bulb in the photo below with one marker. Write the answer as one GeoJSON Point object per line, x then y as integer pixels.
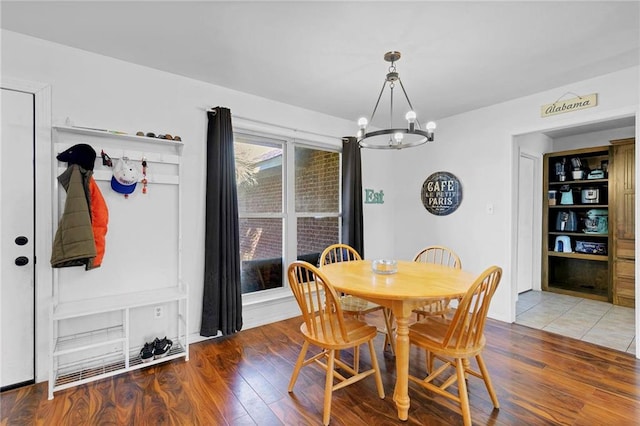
{"type": "Point", "coordinates": [431, 126]}
{"type": "Point", "coordinates": [411, 118]}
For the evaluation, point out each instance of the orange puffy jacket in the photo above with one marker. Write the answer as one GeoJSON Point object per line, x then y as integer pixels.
{"type": "Point", "coordinates": [99, 220]}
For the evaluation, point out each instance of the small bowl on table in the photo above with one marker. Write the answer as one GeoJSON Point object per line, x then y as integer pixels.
{"type": "Point", "coordinates": [384, 266]}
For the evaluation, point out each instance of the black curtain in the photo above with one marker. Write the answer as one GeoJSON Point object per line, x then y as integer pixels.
{"type": "Point", "coordinates": [222, 299]}
{"type": "Point", "coordinates": [352, 222]}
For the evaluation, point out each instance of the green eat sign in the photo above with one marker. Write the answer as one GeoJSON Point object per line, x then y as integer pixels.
{"type": "Point", "coordinates": [373, 197]}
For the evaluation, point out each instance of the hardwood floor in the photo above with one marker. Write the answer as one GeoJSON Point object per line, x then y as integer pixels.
{"type": "Point", "coordinates": [540, 378]}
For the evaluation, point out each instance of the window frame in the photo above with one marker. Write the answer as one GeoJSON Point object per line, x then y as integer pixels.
{"type": "Point", "coordinates": [288, 215]}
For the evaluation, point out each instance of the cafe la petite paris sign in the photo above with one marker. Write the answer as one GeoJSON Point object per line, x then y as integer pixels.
{"type": "Point", "coordinates": [441, 193]}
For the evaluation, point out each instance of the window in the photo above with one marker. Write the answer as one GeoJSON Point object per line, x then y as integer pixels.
{"type": "Point", "coordinates": [274, 204]}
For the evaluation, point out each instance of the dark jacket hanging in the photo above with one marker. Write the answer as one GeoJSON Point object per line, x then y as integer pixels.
{"type": "Point", "coordinates": [74, 244]}
{"type": "Point", "coordinates": [352, 222]}
{"type": "Point", "coordinates": [222, 298]}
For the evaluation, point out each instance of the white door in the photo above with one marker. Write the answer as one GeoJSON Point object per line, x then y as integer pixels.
{"type": "Point", "coordinates": [17, 247]}
{"type": "Point", "coordinates": [526, 194]}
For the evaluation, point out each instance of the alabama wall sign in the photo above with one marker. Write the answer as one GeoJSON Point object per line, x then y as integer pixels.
{"type": "Point", "coordinates": [441, 193]}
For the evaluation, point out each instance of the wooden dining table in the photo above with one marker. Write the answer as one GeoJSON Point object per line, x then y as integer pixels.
{"type": "Point", "coordinates": [410, 287]}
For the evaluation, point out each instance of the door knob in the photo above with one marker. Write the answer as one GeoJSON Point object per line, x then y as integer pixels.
{"type": "Point", "coordinates": [22, 260]}
{"type": "Point", "coordinates": [21, 240]}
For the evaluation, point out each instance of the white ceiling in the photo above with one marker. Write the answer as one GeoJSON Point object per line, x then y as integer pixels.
{"type": "Point", "coordinates": [328, 56]}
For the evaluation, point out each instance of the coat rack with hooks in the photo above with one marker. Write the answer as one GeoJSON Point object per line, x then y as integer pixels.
{"type": "Point", "coordinates": [101, 318]}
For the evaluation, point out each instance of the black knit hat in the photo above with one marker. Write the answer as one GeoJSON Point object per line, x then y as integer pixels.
{"type": "Point", "coordinates": [82, 154]}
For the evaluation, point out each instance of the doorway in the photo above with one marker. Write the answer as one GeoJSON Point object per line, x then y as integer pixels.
{"type": "Point", "coordinates": [29, 167]}
{"type": "Point", "coordinates": [17, 333]}
{"type": "Point", "coordinates": [579, 135]}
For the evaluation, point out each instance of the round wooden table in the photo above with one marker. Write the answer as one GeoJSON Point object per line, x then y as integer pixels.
{"type": "Point", "coordinates": [402, 291]}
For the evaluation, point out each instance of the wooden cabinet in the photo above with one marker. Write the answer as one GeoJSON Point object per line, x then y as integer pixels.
{"type": "Point", "coordinates": [576, 236]}
{"type": "Point", "coordinates": [623, 221]}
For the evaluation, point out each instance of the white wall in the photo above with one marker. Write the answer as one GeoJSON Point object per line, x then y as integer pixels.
{"type": "Point", "coordinates": [97, 91]}
{"type": "Point", "coordinates": [537, 143]}
{"type": "Point", "coordinates": [478, 147]}
{"type": "Point", "coordinates": [377, 174]}
{"type": "Point", "coordinates": [592, 139]}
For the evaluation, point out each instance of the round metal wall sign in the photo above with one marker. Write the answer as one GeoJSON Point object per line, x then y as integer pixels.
{"type": "Point", "coordinates": [441, 193]}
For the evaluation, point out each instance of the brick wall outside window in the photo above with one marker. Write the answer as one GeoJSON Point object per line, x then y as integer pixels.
{"type": "Point", "coordinates": [317, 187]}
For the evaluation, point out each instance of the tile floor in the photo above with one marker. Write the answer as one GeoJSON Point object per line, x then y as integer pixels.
{"type": "Point", "coordinates": [585, 319]}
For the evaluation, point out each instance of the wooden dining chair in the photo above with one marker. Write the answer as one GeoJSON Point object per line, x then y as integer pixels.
{"type": "Point", "coordinates": [325, 326]}
{"type": "Point", "coordinates": [352, 305]}
{"type": "Point", "coordinates": [443, 256]}
{"type": "Point", "coordinates": [454, 340]}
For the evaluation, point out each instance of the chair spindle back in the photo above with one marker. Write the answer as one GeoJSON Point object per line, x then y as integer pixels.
{"type": "Point", "coordinates": [318, 302]}
{"type": "Point", "coordinates": [338, 253]}
{"type": "Point", "coordinates": [440, 255]}
{"type": "Point", "coordinates": [467, 326]}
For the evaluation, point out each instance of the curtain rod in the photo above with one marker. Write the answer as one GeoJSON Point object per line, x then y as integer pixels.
{"type": "Point", "coordinates": [253, 120]}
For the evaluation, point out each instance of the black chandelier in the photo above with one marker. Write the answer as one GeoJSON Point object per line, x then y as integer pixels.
{"type": "Point", "coordinates": [394, 138]}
